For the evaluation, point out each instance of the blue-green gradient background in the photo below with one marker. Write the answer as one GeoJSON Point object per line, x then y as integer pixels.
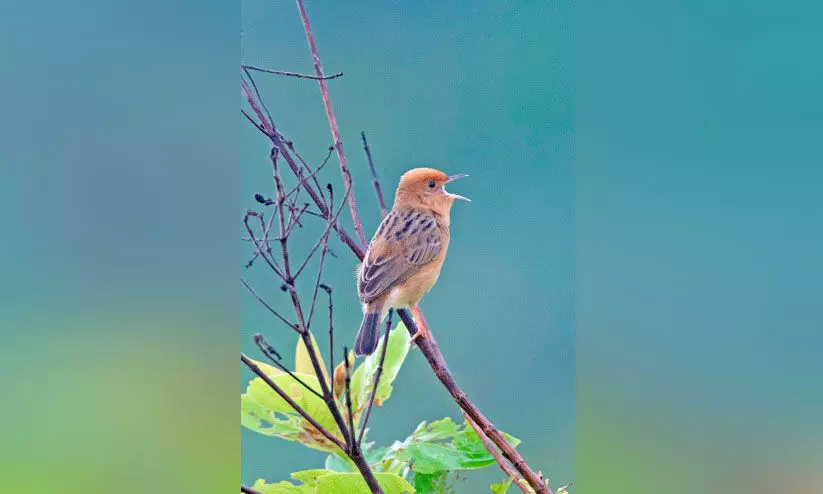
{"type": "Point", "coordinates": [483, 89]}
{"type": "Point", "coordinates": [696, 226]}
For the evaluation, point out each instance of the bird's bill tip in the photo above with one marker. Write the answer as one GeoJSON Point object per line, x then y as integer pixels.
{"type": "Point", "coordinates": [458, 196]}
{"type": "Point", "coordinates": [455, 177]}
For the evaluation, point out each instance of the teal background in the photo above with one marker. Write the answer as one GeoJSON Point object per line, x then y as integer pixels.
{"type": "Point", "coordinates": [483, 89]}
{"type": "Point", "coordinates": [696, 227]}
{"type": "Point", "coordinates": [699, 246]}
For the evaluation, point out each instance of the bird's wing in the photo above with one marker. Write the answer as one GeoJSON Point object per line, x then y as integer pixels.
{"type": "Point", "coordinates": [405, 241]}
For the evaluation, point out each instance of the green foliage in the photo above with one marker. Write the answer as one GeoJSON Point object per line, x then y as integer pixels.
{"type": "Point", "coordinates": [432, 455]}
{"type": "Point", "coordinates": [327, 481]}
{"type": "Point", "coordinates": [439, 482]}
{"type": "Point", "coordinates": [264, 411]}
{"type": "Point", "coordinates": [362, 378]}
{"type": "Point", "coordinates": [502, 487]}
{"type": "Point", "coordinates": [444, 446]}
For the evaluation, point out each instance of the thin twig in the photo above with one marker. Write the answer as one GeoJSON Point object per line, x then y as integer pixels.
{"type": "Point", "coordinates": [348, 396]}
{"type": "Point", "coordinates": [327, 289]}
{"type": "Point", "coordinates": [377, 374]}
{"type": "Point", "coordinates": [254, 368]}
{"type": "Point", "coordinates": [510, 472]}
{"type": "Point", "coordinates": [290, 145]}
{"type": "Point", "coordinates": [323, 238]}
{"type": "Point", "coordinates": [260, 299]}
{"type": "Point", "coordinates": [375, 182]}
{"type": "Point", "coordinates": [292, 74]}
{"type": "Point", "coordinates": [335, 132]}
{"type": "Point", "coordinates": [257, 92]}
{"type": "Point", "coordinates": [267, 349]}
{"type": "Point", "coordinates": [259, 249]}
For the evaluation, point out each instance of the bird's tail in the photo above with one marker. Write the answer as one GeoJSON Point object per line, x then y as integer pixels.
{"type": "Point", "coordinates": [366, 340]}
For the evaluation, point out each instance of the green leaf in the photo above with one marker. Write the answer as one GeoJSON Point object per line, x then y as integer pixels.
{"type": "Point", "coordinates": [256, 417]}
{"type": "Point", "coordinates": [502, 487]}
{"type": "Point", "coordinates": [361, 382]}
{"type": "Point", "coordinates": [353, 483]}
{"type": "Point", "coordinates": [282, 488]}
{"type": "Point", "coordinates": [443, 446]}
{"type": "Point", "coordinates": [430, 483]}
{"type": "Point", "coordinates": [336, 463]}
{"type": "Point", "coordinates": [264, 411]}
{"type": "Point", "coordinates": [302, 361]}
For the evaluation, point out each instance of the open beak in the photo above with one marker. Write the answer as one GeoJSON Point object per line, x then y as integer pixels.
{"type": "Point", "coordinates": [456, 196]}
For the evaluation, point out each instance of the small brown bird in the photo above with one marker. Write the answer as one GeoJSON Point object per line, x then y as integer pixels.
{"type": "Point", "coordinates": [404, 258]}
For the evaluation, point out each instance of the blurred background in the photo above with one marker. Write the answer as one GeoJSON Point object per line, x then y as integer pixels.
{"type": "Point", "coordinates": [483, 89]}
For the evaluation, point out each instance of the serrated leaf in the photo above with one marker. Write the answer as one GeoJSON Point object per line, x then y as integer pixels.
{"type": "Point", "coordinates": [502, 487]}
{"type": "Point", "coordinates": [302, 361]}
{"type": "Point", "coordinates": [361, 382]}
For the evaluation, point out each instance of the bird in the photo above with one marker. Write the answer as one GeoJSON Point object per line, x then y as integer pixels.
{"type": "Point", "coordinates": [404, 258]}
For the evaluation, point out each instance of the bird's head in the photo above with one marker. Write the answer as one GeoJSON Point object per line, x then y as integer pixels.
{"type": "Point", "coordinates": [426, 187]}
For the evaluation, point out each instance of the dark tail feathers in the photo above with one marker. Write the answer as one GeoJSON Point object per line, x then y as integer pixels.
{"type": "Point", "coordinates": [369, 333]}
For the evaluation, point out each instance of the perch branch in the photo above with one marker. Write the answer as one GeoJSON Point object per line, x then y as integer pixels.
{"type": "Point", "coordinates": [248, 490]}
{"type": "Point", "coordinates": [504, 465]}
{"type": "Point", "coordinates": [428, 347]}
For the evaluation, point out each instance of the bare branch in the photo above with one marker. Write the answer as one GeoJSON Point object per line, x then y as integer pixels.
{"type": "Point", "coordinates": [292, 74]}
{"type": "Point", "coordinates": [375, 182]}
{"type": "Point", "coordinates": [354, 443]}
{"type": "Point", "coordinates": [510, 472]}
{"type": "Point", "coordinates": [257, 93]}
{"type": "Point", "coordinates": [428, 347]}
{"type": "Point", "coordinates": [324, 237]}
{"type": "Point", "coordinates": [327, 289]}
{"type": "Point", "coordinates": [377, 374]}
{"type": "Point", "coordinates": [259, 299]}
{"type": "Point", "coordinates": [335, 132]}
{"type": "Point", "coordinates": [254, 368]}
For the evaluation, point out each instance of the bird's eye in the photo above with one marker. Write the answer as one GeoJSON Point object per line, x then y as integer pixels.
{"type": "Point", "coordinates": [432, 184]}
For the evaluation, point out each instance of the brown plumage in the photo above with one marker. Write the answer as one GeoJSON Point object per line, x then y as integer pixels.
{"type": "Point", "coordinates": [404, 258]}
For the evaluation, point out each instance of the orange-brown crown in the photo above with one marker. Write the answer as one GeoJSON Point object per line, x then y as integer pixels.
{"type": "Point", "coordinates": [418, 177]}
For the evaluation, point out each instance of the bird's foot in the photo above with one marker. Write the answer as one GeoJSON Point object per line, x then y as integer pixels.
{"type": "Point", "coordinates": [422, 327]}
